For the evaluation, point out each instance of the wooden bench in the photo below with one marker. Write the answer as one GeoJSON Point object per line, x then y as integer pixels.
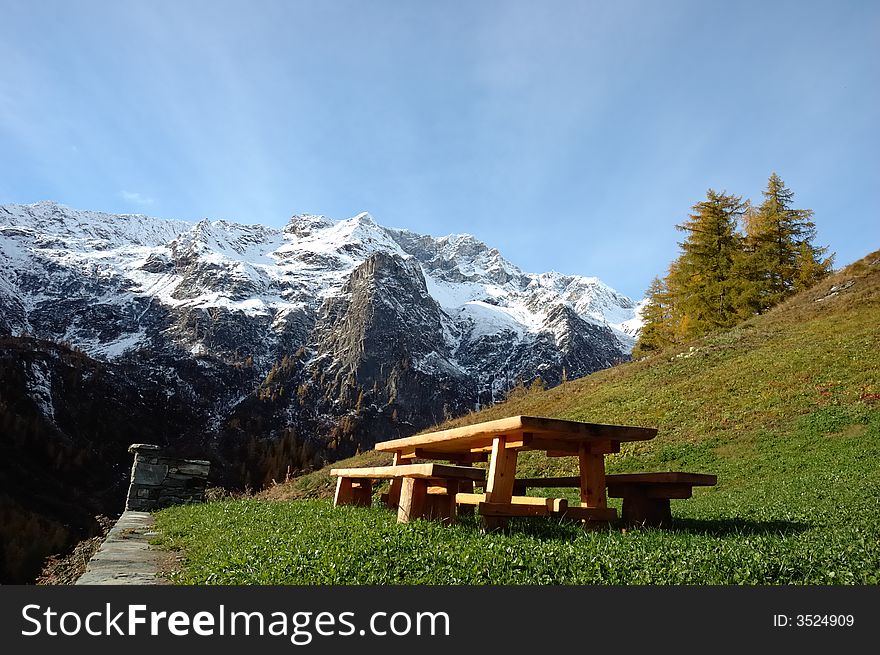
{"type": "Point", "coordinates": [425, 491]}
{"type": "Point", "coordinates": [645, 496]}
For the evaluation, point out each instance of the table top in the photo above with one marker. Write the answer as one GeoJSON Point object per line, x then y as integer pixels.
{"type": "Point", "coordinates": [524, 432]}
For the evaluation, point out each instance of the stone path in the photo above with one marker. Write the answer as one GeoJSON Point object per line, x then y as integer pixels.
{"type": "Point", "coordinates": [126, 556]}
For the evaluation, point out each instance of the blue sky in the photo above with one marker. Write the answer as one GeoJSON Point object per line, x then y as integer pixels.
{"type": "Point", "coordinates": [572, 136]}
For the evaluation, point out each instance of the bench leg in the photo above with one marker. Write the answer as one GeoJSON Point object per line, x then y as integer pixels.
{"type": "Point", "coordinates": [351, 492]}
{"type": "Point", "coordinates": [641, 510]}
{"type": "Point", "coordinates": [344, 492]}
{"type": "Point", "coordinates": [413, 499]}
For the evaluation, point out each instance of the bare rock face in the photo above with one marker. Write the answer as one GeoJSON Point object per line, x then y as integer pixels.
{"type": "Point", "coordinates": [383, 318]}
{"type": "Point", "coordinates": [382, 347]}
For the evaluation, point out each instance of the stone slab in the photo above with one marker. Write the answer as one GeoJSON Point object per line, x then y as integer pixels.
{"type": "Point", "coordinates": [126, 556]}
{"type": "Point", "coordinates": [149, 474]}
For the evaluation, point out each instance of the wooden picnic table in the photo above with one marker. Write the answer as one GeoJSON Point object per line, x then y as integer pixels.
{"type": "Point", "coordinates": [499, 443]}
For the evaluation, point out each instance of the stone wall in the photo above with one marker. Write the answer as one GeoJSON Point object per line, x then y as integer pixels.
{"type": "Point", "coordinates": [159, 481]}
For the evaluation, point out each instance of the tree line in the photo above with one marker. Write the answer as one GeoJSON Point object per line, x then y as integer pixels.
{"type": "Point", "coordinates": [737, 260]}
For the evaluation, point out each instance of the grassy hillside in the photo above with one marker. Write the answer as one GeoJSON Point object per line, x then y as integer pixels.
{"type": "Point", "coordinates": [785, 409]}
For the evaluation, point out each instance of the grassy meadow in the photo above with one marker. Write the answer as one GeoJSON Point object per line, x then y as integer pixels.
{"type": "Point", "coordinates": [784, 409]}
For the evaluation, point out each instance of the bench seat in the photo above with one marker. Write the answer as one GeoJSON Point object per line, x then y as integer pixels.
{"type": "Point", "coordinates": [645, 496]}
{"type": "Point", "coordinates": [418, 490]}
{"type": "Point", "coordinates": [430, 470]}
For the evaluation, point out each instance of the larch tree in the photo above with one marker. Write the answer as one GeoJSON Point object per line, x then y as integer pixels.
{"type": "Point", "coordinates": [781, 256]}
{"type": "Point", "coordinates": [657, 329]}
{"type": "Point", "coordinates": [708, 277]}
{"type": "Point", "coordinates": [722, 276]}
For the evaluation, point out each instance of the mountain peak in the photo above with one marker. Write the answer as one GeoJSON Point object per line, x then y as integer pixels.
{"type": "Point", "coordinates": [262, 271]}
{"type": "Point", "coordinates": [364, 217]}
{"type": "Point", "coordinates": [305, 224]}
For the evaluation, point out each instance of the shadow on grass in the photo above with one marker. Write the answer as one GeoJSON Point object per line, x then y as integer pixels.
{"type": "Point", "coordinates": [550, 529]}
{"type": "Point", "coordinates": [736, 527]}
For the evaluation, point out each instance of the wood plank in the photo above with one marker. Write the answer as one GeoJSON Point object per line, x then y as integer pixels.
{"type": "Point", "coordinates": [439, 486]}
{"type": "Point", "coordinates": [605, 447]}
{"type": "Point", "coordinates": [344, 494]}
{"type": "Point", "coordinates": [516, 441]}
{"type": "Point", "coordinates": [569, 445]}
{"type": "Point", "coordinates": [616, 482]}
{"type": "Point", "coordinates": [413, 496]}
{"type": "Point", "coordinates": [549, 442]}
{"type": "Point", "coordinates": [429, 470]}
{"type": "Point", "coordinates": [672, 477]}
{"type": "Point", "coordinates": [464, 459]}
{"type": "Point", "coordinates": [553, 504]}
{"type": "Point", "coordinates": [592, 479]}
{"type": "Point", "coordinates": [445, 440]}
{"type": "Point", "coordinates": [626, 489]}
{"type": "Point", "coordinates": [519, 441]}
{"type": "Point", "coordinates": [558, 505]}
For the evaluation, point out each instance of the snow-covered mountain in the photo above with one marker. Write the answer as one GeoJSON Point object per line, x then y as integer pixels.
{"type": "Point", "coordinates": [51, 254]}
{"type": "Point", "coordinates": [387, 329]}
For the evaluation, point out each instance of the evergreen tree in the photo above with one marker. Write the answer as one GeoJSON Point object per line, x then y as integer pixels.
{"type": "Point", "coordinates": [657, 319]}
{"type": "Point", "coordinates": [781, 257]}
{"type": "Point", "coordinates": [722, 277]}
{"type": "Point", "coordinates": [708, 278]}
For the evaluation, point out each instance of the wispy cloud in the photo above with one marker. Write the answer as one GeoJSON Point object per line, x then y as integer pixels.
{"type": "Point", "coordinates": [135, 197]}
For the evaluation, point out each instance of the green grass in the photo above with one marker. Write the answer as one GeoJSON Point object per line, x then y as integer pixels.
{"type": "Point", "coordinates": [784, 409]}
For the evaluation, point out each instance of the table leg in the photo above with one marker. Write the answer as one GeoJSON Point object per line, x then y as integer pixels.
{"type": "Point", "coordinates": [592, 478]}
{"type": "Point", "coordinates": [500, 480]}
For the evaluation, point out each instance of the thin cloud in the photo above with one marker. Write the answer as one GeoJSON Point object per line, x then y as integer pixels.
{"type": "Point", "coordinates": [135, 197]}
